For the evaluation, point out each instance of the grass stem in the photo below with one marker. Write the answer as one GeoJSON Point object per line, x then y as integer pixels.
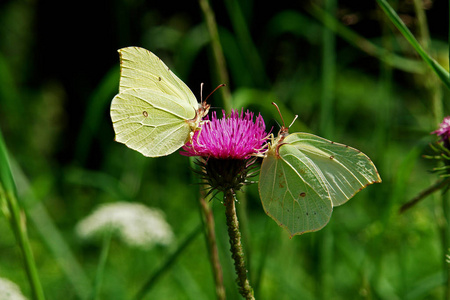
{"type": "Point", "coordinates": [17, 221]}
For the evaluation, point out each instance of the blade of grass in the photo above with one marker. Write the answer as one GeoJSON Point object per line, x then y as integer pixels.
{"type": "Point", "coordinates": [51, 236]}
{"type": "Point", "coordinates": [101, 264]}
{"type": "Point", "coordinates": [328, 75]}
{"type": "Point", "coordinates": [245, 40]}
{"type": "Point", "coordinates": [433, 85]}
{"type": "Point", "coordinates": [97, 103]}
{"type": "Point", "coordinates": [168, 263]}
{"type": "Point", "coordinates": [219, 58]}
{"type": "Point", "coordinates": [433, 64]}
{"type": "Point", "coordinates": [17, 221]}
{"type": "Point", "coordinates": [212, 247]}
{"type": "Point", "coordinates": [364, 44]}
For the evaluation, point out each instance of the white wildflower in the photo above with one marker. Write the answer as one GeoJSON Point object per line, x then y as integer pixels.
{"type": "Point", "coordinates": [134, 223]}
{"type": "Point", "coordinates": [10, 291]}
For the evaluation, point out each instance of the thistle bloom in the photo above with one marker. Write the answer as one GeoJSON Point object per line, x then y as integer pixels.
{"type": "Point", "coordinates": [444, 132]}
{"type": "Point", "coordinates": [235, 137]}
{"type": "Point", "coordinates": [444, 129]}
{"type": "Point", "coordinates": [227, 148]}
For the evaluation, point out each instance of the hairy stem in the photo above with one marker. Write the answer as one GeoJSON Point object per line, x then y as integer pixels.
{"type": "Point", "coordinates": [237, 252]}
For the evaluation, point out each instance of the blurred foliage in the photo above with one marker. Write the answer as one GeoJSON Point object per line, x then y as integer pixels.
{"type": "Point", "coordinates": [59, 72]}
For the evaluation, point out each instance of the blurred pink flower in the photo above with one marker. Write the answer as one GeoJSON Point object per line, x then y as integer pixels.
{"type": "Point", "coordinates": [232, 137]}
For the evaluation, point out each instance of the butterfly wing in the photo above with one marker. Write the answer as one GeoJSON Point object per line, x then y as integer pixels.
{"type": "Point", "coordinates": [304, 176]}
{"type": "Point", "coordinates": [343, 169]}
{"type": "Point", "coordinates": [140, 68]}
{"type": "Point", "coordinates": [291, 192]}
{"type": "Point", "coordinates": [154, 112]}
{"type": "Point", "coordinates": [151, 122]}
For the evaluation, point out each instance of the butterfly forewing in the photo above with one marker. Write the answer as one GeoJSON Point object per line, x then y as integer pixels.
{"type": "Point", "coordinates": [345, 170]}
{"type": "Point", "coordinates": [140, 68]}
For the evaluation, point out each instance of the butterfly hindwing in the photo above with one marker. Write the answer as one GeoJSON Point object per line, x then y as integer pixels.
{"type": "Point", "coordinates": [292, 193]}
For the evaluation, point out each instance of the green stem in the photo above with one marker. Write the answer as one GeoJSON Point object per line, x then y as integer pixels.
{"type": "Point", "coordinates": [102, 263]}
{"type": "Point", "coordinates": [219, 58]}
{"type": "Point", "coordinates": [446, 241]}
{"type": "Point", "coordinates": [390, 58]}
{"type": "Point", "coordinates": [245, 39]}
{"type": "Point", "coordinates": [424, 36]}
{"type": "Point", "coordinates": [18, 224]}
{"type": "Point", "coordinates": [43, 223]}
{"type": "Point", "coordinates": [18, 221]}
{"type": "Point", "coordinates": [212, 247]}
{"type": "Point", "coordinates": [328, 74]}
{"type": "Point", "coordinates": [428, 191]}
{"type": "Point", "coordinates": [237, 252]}
{"type": "Point", "coordinates": [395, 19]}
{"type": "Point", "coordinates": [431, 82]}
{"type": "Point", "coordinates": [167, 264]}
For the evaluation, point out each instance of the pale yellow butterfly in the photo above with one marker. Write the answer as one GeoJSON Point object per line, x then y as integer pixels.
{"type": "Point", "coordinates": [155, 112]}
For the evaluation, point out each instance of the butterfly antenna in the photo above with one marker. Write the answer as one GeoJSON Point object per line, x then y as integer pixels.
{"type": "Point", "coordinates": [279, 112]}
{"type": "Point", "coordinates": [201, 92]}
{"type": "Point", "coordinates": [296, 116]}
{"type": "Point", "coordinates": [219, 86]}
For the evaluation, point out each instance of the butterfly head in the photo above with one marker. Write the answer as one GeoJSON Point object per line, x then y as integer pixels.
{"type": "Point", "coordinates": [203, 109]}
{"type": "Point", "coordinates": [282, 134]}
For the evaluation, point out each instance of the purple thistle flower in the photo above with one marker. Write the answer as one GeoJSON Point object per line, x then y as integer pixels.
{"type": "Point", "coordinates": [232, 137]}
{"type": "Point", "coordinates": [228, 148]}
{"type": "Point", "coordinates": [444, 132]}
{"type": "Point", "coordinates": [444, 129]}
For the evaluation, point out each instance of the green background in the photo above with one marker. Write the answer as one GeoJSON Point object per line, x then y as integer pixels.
{"type": "Point", "coordinates": [59, 72]}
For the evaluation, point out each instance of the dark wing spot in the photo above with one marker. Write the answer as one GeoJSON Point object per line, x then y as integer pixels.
{"type": "Point", "coordinates": [332, 157]}
{"type": "Point", "coordinates": [145, 114]}
{"type": "Point", "coordinates": [159, 78]}
{"type": "Point", "coordinates": [302, 194]}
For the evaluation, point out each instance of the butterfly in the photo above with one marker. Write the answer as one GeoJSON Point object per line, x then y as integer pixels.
{"type": "Point", "coordinates": [303, 176]}
{"type": "Point", "coordinates": [154, 113]}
